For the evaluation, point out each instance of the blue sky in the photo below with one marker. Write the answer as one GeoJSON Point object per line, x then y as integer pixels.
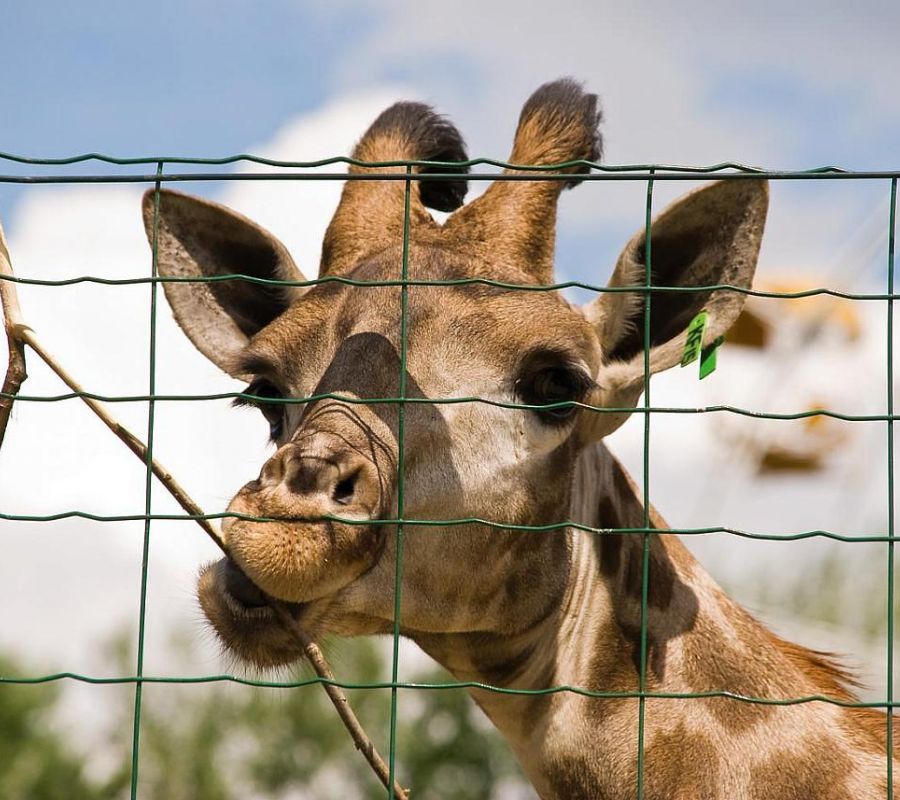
{"type": "Point", "coordinates": [175, 78]}
{"type": "Point", "coordinates": [194, 78]}
{"type": "Point", "coordinates": [209, 78]}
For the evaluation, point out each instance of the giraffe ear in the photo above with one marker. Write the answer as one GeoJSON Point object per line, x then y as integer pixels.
{"type": "Point", "coordinates": [709, 237]}
{"type": "Point", "coordinates": [197, 238]}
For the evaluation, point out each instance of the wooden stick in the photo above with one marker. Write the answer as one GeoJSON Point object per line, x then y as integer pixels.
{"type": "Point", "coordinates": [14, 325]}
{"type": "Point", "coordinates": [18, 334]}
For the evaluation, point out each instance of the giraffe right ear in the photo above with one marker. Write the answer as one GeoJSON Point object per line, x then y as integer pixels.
{"type": "Point", "coordinates": [199, 239]}
{"type": "Point", "coordinates": [709, 237]}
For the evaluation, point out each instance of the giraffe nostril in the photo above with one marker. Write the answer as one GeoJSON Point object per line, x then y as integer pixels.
{"type": "Point", "coordinates": [345, 489]}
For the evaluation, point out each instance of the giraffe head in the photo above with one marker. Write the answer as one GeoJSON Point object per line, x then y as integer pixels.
{"type": "Point", "coordinates": [328, 362]}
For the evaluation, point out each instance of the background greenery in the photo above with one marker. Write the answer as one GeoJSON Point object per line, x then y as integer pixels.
{"type": "Point", "coordinates": [227, 741]}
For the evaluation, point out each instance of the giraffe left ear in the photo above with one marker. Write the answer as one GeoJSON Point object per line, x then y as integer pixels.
{"type": "Point", "coordinates": [202, 241]}
{"type": "Point", "coordinates": [710, 237]}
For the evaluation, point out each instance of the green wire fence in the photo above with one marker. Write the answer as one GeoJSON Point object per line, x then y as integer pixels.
{"type": "Point", "coordinates": [442, 171]}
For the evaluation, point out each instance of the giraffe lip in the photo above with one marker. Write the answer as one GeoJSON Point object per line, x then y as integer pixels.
{"type": "Point", "coordinates": [240, 588]}
{"type": "Point", "coordinates": [245, 596]}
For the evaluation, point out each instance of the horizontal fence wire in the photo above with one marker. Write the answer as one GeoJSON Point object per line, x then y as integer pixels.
{"type": "Point", "coordinates": [403, 170]}
{"type": "Point", "coordinates": [430, 170]}
{"type": "Point", "coordinates": [444, 523]}
{"type": "Point", "coordinates": [488, 687]}
{"type": "Point", "coordinates": [439, 401]}
{"type": "Point", "coordinates": [417, 685]}
{"type": "Point", "coordinates": [456, 166]}
{"type": "Point", "coordinates": [202, 177]}
{"type": "Point", "coordinates": [518, 287]}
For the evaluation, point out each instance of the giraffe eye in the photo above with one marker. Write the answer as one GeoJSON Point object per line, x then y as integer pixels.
{"type": "Point", "coordinates": [262, 392]}
{"type": "Point", "coordinates": [546, 384]}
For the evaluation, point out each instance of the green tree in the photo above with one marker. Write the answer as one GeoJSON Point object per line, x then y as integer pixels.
{"type": "Point", "coordinates": [224, 741]}
{"type": "Point", "coordinates": [227, 741]}
{"type": "Point", "coordinates": [36, 761]}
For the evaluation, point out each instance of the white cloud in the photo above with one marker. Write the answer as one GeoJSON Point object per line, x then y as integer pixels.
{"type": "Point", "coordinates": [655, 64]}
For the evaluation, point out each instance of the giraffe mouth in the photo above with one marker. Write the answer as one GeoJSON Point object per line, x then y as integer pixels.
{"type": "Point", "coordinates": [240, 613]}
{"type": "Point", "coordinates": [245, 597]}
{"type": "Point", "coordinates": [239, 589]}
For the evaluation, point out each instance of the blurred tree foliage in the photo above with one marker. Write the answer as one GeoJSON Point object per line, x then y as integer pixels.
{"type": "Point", "coordinates": [844, 588]}
{"type": "Point", "coordinates": [224, 741]}
{"type": "Point", "coordinates": [227, 741]}
{"type": "Point", "coordinates": [36, 760]}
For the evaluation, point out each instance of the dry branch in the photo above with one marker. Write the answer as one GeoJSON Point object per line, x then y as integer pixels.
{"type": "Point", "coordinates": [14, 327]}
{"type": "Point", "coordinates": [18, 334]}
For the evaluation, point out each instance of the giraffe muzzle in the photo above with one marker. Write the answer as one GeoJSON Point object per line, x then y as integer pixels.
{"type": "Point", "coordinates": [302, 530]}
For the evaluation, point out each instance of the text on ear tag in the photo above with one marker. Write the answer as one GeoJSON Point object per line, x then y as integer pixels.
{"type": "Point", "coordinates": [694, 344]}
{"type": "Point", "coordinates": [694, 349]}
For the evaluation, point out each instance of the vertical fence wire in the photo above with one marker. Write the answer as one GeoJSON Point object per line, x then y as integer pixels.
{"type": "Point", "coordinates": [892, 219]}
{"type": "Point", "coordinates": [401, 477]}
{"type": "Point", "coordinates": [148, 496]}
{"type": "Point", "coordinates": [645, 536]}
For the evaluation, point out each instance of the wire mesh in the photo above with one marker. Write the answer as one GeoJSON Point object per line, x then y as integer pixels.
{"type": "Point", "coordinates": [300, 171]}
{"type": "Point", "coordinates": [645, 536]}
{"type": "Point", "coordinates": [892, 224]}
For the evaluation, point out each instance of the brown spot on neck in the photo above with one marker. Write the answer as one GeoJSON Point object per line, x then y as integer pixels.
{"type": "Point", "coordinates": [671, 603]}
{"type": "Point", "coordinates": [711, 664]}
{"type": "Point", "coordinates": [681, 764]}
{"type": "Point", "coordinates": [818, 772]}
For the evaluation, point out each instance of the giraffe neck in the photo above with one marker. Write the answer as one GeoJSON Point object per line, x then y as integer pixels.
{"type": "Point", "coordinates": [697, 641]}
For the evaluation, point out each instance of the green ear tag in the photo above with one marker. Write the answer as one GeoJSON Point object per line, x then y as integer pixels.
{"type": "Point", "coordinates": [694, 344]}
{"type": "Point", "coordinates": [708, 357]}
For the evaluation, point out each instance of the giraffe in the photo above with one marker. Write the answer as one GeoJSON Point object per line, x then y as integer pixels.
{"type": "Point", "coordinates": [495, 604]}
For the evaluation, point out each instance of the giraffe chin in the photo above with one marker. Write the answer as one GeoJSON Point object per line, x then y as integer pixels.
{"type": "Point", "coordinates": [299, 562]}
{"type": "Point", "coordinates": [243, 622]}
{"type": "Point", "coordinates": [300, 565]}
